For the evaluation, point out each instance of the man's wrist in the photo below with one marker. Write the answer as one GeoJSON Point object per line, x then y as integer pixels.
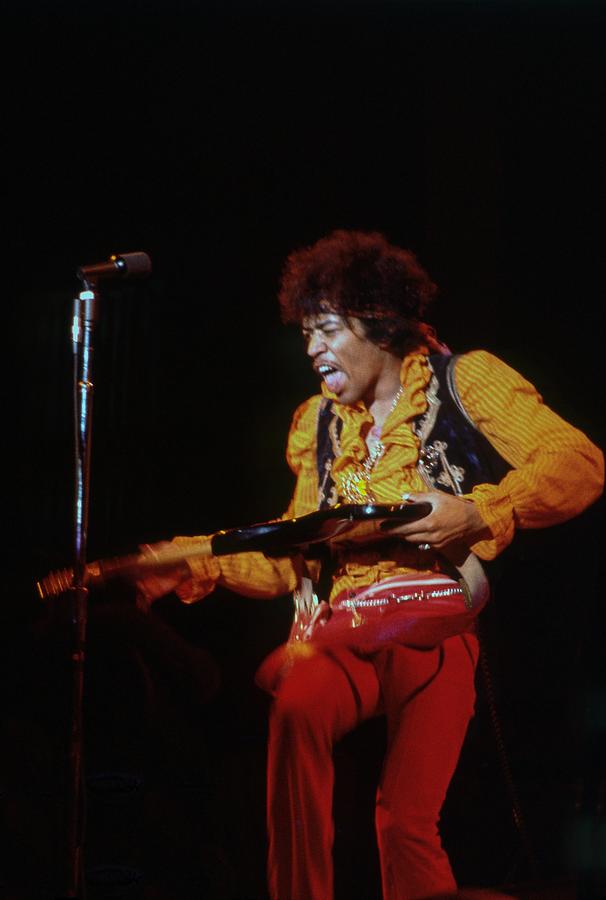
{"type": "Point", "coordinates": [477, 530]}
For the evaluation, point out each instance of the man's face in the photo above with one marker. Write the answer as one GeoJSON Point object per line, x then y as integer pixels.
{"type": "Point", "coordinates": [349, 364]}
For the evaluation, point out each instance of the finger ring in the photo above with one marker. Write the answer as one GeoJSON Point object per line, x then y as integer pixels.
{"type": "Point", "coordinates": [424, 546]}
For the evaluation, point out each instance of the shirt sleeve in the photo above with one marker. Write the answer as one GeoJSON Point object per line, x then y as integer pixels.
{"type": "Point", "coordinates": [254, 574]}
{"type": "Point", "coordinates": [557, 472]}
{"type": "Point", "coordinates": [250, 574]}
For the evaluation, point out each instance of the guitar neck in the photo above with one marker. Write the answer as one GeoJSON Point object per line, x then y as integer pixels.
{"type": "Point", "coordinates": [278, 537]}
{"type": "Point", "coordinates": [101, 571]}
{"type": "Point", "coordinates": [136, 564]}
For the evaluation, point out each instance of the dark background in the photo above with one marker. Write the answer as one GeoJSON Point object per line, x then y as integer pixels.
{"type": "Point", "coordinates": [218, 137]}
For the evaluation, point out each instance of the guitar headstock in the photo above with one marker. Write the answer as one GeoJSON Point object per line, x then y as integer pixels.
{"type": "Point", "coordinates": [55, 583]}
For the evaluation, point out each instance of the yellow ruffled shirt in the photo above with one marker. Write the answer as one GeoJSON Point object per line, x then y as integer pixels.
{"type": "Point", "coordinates": [557, 472]}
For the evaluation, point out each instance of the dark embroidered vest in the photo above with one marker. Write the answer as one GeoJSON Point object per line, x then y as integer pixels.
{"type": "Point", "coordinates": [454, 456]}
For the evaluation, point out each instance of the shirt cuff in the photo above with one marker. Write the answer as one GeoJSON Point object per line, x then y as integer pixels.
{"type": "Point", "coordinates": [204, 572]}
{"type": "Point", "coordinates": [496, 511]}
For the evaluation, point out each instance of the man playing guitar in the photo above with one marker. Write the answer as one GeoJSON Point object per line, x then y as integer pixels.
{"type": "Point", "coordinates": [399, 421]}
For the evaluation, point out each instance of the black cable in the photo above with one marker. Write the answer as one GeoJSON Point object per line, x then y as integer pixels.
{"type": "Point", "coordinates": [517, 813]}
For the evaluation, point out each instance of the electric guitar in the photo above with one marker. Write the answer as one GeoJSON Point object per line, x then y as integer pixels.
{"type": "Point", "coordinates": [411, 609]}
{"type": "Point", "coordinates": [340, 524]}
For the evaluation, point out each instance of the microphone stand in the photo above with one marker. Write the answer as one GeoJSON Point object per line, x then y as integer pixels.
{"type": "Point", "coordinates": [84, 315]}
{"type": "Point", "coordinates": [137, 264]}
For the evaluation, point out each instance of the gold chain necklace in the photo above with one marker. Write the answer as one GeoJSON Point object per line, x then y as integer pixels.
{"type": "Point", "coordinates": [354, 486]}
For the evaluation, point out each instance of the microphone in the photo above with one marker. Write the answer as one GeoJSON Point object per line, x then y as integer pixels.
{"type": "Point", "coordinates": [123, 265]}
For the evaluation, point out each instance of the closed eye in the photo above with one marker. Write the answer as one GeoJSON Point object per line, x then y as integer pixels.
{"type": "Point", "coordinates": [328, 328]}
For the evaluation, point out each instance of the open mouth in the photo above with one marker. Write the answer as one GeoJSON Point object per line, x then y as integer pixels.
{"type": "Point", "coordinates": [333, 378]}
{"type": "Point", "coordinates": [325, 370]}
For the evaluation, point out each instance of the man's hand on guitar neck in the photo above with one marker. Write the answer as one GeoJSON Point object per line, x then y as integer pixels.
{"type": "Point", "coordinates": [154, 583]}
{"type": "Point", "coordinates": [452, 520]}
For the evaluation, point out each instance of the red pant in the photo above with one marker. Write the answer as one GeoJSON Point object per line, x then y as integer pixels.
{"type": "Point", "coordinates": [428, 697]}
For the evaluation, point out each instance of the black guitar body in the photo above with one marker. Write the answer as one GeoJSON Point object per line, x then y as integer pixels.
{"type": "Point", "coordinates": [286, 536]}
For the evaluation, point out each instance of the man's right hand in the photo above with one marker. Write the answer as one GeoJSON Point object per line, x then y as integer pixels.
{"type": "Point", "coordinates": [157, 582]}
